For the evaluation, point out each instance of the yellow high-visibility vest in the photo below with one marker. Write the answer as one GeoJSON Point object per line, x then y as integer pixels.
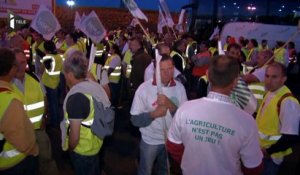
{"type": "Point", "coordinates": [115, 76]}
{"type": "Point", "coordinates": [51, 76]}
{"type": "Point", "coordinates": [9, 156]}
{"type": "Point", "coordinates": [89, 144]}
{"type": "Point", "coordinates": [33, 100]}
{"type": "Point", "coordinates": [268, 122]}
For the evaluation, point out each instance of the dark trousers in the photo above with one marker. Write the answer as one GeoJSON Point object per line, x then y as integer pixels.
{"type": "Point", "coordinates": [85, 165]}
{"type": "Point", "coordinates": [53, 105]}
{"type": "Point", "coordinates": [115, 91]}
{"type": "Point", "coordinates": [29, 166]}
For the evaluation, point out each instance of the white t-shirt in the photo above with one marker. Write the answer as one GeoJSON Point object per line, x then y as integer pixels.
{"type": "Point", "coordinates": [145, 101]}
{"type": "Point", "coordinates": [149, 72]}
{"type": "Point", "coordinates": [260, 74]}
{"type": "Point", "coordinates": [216, 136]}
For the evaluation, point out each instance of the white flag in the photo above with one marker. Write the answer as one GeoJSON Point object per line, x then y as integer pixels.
{"type": "Point", "coordinates": [134, 9]}
{"type": "Point", "coordinates": [77, 20]}
{"type": "Point", "coordinates": [45, 23]}
{"type": "Point", "coordinates": [166, 10]}
{"type": "Point", "coordinates": [92, 27]}
{"type": "Point", "coordinates": [134, 22]}
{"type": "Point", "coordinates": [216, 32]}
{"type": "Point", "coordinates": [161, 23]}
{"type": "Point", "coordinates": [179, 26]}
{"type": "Point", "coordinates": [220, 50]}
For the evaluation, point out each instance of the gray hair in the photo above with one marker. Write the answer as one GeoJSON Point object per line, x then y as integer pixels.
{"type": "Point", "coordinates": [77, 64]}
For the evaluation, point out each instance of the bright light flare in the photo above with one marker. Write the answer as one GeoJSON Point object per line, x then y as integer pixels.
{"type": "Point", "coordinates": [70, 3]}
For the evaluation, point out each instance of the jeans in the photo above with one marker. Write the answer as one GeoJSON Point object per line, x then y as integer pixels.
{"type": "Point", "coordinates": [150, 155]}
{"type": "Point", "coordinates": [85, 165]}
{"type": "Point", "coordinates": [270, 168]}
{"type": "Point", "coordinates": [28, 166]}
{"type": "Point", "coordinates": [53, 106]}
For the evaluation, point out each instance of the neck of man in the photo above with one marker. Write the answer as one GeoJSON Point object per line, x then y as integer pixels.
{"type": "Point", "coordinates": [222, 90]}
{"type": "Point", "coordinates": [76, 81]}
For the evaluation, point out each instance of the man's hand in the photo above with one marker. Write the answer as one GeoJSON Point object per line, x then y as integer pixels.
{"type": "Point", "coordinates": [160, 111]}
{"type": "Point", "coordinates": [163, 100]}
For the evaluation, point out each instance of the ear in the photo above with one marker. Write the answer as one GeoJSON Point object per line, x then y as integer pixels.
{"type": "Point", "coordinates": [284, 79]}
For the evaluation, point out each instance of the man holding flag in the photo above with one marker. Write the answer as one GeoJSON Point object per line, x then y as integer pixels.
{"type": "Point", "coordinates": [153, 113]}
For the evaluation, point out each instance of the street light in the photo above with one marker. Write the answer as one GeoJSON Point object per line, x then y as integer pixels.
{"type": "Point", "coordinates": [251, 8]}
{"type": "Point", "coordinates": [70, 3]}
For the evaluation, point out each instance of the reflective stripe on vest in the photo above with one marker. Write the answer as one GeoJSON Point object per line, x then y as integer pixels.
{"type": "Point", "coordinates": [270, 138]}
{"type": "Point", "coordinates": [27, 53]}
{"type": "Point", "coordinates": [9, 154]}
{"type": "Point", "coordinates": [34, 106]}
{"type": "Point", "coordinates": [128, 70]}
{"type": "Point", "coordinates": [62, 57]}
{"type": "Point", "coordinates": [53, 65]}
{"type": "Point", "coordinates": [99, 53]}
{"type": "Point", "coordinates": [89, 121]}
{"type": "Point", "coordinates": [173, 53]}
{"type": "Point", "coordinates": [36, 119]}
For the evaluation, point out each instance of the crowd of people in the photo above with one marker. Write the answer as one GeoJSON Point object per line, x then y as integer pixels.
{"type": "Point", "coordinates": [216, 110]}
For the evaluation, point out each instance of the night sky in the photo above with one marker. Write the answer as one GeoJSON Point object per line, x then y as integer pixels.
{"type": "Point", "coordinates": [174, 5]}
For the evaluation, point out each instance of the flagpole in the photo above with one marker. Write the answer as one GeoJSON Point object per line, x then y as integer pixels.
{"type": "Point", "coordinates": [168, 30]}
{"type": "Point", "coordinates": [145, 32]}
{"type": "Point", "coordinates": [159, 92]}
{"type": "Point", "coordinates": [174, 33]}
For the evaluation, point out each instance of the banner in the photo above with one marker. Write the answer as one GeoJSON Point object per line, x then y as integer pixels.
{"type": "Point", "coordinates": [15, 22]}
{"type": "Point", "coordinates": [259, 31]}
{"type": "Point", "coordinates": [134, 10]}
{"type": "Point", "coordinates": [92, 27]}
{"type": "Point", "coordinates": [77, 20]}
{"type": "Point", "coordinates": [215, 33]}
{"type": "Point", "coordinates": [161, 23]}
{"type": "Point", "coordinates": [25, 8]}
{"type": "Point", "coordinates": [134, 22]}
{"type": "Point", "coordinates": [179, 26]}
{"type": "Point", "coordinates": [166, 10]}
{"type": "Point", "coordinates": [45, 23]}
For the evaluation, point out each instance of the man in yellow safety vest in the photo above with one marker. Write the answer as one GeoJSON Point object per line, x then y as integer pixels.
{"type": "Point", "coordinates": [277, 119]}
{"type": "Point", "coordinates": [18, 148]}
